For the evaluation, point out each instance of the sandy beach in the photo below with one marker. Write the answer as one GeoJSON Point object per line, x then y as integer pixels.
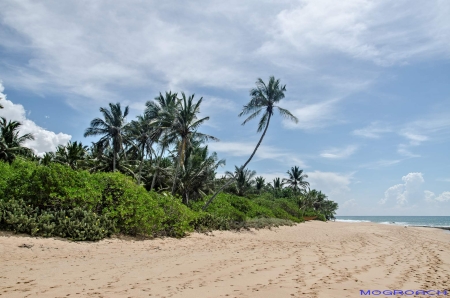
{"type": "Point", "coordinates": [314, 259]}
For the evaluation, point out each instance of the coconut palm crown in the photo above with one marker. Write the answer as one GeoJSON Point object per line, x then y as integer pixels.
{"type": "Point", "coordinates": [296, 180]}
{"type": "Point", "coordinates": [111, 127]}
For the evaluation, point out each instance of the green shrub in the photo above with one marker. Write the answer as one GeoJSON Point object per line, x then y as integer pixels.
{"type": "Point", "coordinates": [321, 217]}
{"type": "Point", "coordinates": [134, 210]}
{"type": "Point", "coordinates": [50, 187]}
{"type": "Point", "coordinates": [208, 222]}
{"type": "Point", "coordinates": [263, 223]}
{"type": "Point", "coordinates": [75, 224]}
{"type": "Point", "coordinates": [177, 216]}
{"type": "Point", "coordinates": [222, 207]}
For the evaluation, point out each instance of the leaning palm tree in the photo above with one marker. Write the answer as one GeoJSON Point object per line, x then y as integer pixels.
{"type": "Point", "coordinates": [265, 99]}
{"type": "Point", "coordinates": [296, 180]}
{"type": "Point", "coordinates": [11, 143]}
{"type": "Point", "coordinates": [184, 129]}
{"type": "Point", "coordinates": [111, 127]}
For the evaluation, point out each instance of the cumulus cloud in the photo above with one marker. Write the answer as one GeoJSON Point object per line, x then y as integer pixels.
{"type": "Point", "coordinates": [431, 197]}
{"type": "Point", "coordinates": [411, 192]}
{"type": "Point", "coordinates": [339, 153]}
{"type": "Point", "coordinates": [45, 140]}
{"type": "Point", "coordinates": [408, 192]}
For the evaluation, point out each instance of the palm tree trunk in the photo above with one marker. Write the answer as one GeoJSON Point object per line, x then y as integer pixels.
{"type": "Point", "coordinates": [176, 172]}
{"type": "Point", "coordinates": [114, 160]}
{"type": "Point", "coordinates": [140, 166]}
{"type": "Point", "coordinates": [180, 159]}
{"type": "Point", "coordinates": [242, 168]}
{"type": "Point", "coordinates": [156, 170]}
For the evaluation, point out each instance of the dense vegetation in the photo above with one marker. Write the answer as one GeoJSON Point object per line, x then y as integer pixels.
{"type": "Point", "coordinates": [153, 176]}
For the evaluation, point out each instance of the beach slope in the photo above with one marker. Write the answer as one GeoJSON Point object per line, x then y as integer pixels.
{"type": "Point", "coordinates": [313, 259]}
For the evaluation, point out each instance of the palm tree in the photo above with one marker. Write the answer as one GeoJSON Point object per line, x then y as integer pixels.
{"type": "Point", "coordinates": [320, 200]}
{"type": "Point", "coordinates": [264, 98]}
{"type": "Point", "coordinates": [328, 208]}
{"type": "Point", "coordinates": [277, 183]}
{"type": "Point", "coordinates": [103, 159]}
{"type": "Point", "coordinates": [260, 182]}
{"type": "Point", "coordinates": [243, 179]}
{"type": "Point", "coordinates": [48, 158]}
{"type": "Point", "coordinates": [296, 180]}
{"type": "Point", "coordinates": [184, 128]}
{"type": "Point", "coordinates": [10, 141]}
{"type": "Point", "coordinates": [162, 112]}
{"type": "Point", "coordinates": [140, 135]}
{"type": "Point", "coordinates": [308, 200]}
{"type": "Point", "coordinates": [197, 175]}
{"type": "Point", "coordinates": [70, 154]}
{"type": "Point", "coordinates": [112, 128]}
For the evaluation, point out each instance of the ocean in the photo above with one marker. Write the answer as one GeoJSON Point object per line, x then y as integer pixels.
{"type": "Point", "coordinates": [418, 221]}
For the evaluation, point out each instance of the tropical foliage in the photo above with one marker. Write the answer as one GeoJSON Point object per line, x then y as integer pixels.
{"type": "Point", "coordinates": [151, 176]}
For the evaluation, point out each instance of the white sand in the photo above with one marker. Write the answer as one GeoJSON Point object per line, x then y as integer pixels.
{"type": "Point", "coordinates": [313, 259]}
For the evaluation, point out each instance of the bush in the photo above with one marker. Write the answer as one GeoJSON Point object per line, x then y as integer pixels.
{"type": "Point", "coordinates": [321, 217]}
{"type": "Point", "coordinates": [75, 224]}
{"type": "Point", "coordinates": [134, 210]}
{"type": "Point", "coordinates": [263, 223]}
{"type": "Point", "coordinates": [222, 206]}
{"type": "Point", "coordinates": [207, 222]}
{"type": "Point", "coordinates": [177, 216]}
{"type": "Point", "coordinates": [50, 187]}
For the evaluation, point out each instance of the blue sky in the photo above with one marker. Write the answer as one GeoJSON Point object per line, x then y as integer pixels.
{"type": "Point", "coordinates": [368, 80]}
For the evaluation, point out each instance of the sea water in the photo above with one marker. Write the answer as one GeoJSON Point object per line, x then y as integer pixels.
{"type": "Point", "coordinates": [418, 221]}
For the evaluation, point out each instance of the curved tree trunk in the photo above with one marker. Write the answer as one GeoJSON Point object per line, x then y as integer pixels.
{"type": "Point", "coordinates": [157, 166]}
{"type": "Point", "coordinates": [242, 167]}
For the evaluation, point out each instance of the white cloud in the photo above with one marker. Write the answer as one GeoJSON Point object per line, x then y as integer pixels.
{"type": "Point", "coordinates": [405, 152]}
{"type": "Point", "coordinates": [382, 32]}
{"type": "Point", "coordinates": [78, 49]}
{"type": "Point", "coordinates": [263, 152]}
{"type": "Point", "coordinates": [332, 184]}
{"type": "Point", "coordinates": [382, 163]}
{"type": "Point", "coordinates": [338, 153]}
{"type": "Point", "coordinates": [414, 138]}
{"type": "Point", "coordinates": [311, 116]}
{"type": "Point", "coordinates": [349, 204]}
{"type": "Point", "coordinates": [374, 131]}
{"type": "Point", "coordinates": [411, 193]}
{"type": "Point", "coordinates": [431, 197]}
{"type": "Point", "coordinates": [44, 140]}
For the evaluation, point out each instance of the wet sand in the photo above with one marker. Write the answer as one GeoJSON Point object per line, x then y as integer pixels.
{"type": "Point", "coordinates": [313, 259]}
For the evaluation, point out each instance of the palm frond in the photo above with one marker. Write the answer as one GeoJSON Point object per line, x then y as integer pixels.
{"type": "Point", "coordinates": [286, 114]}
